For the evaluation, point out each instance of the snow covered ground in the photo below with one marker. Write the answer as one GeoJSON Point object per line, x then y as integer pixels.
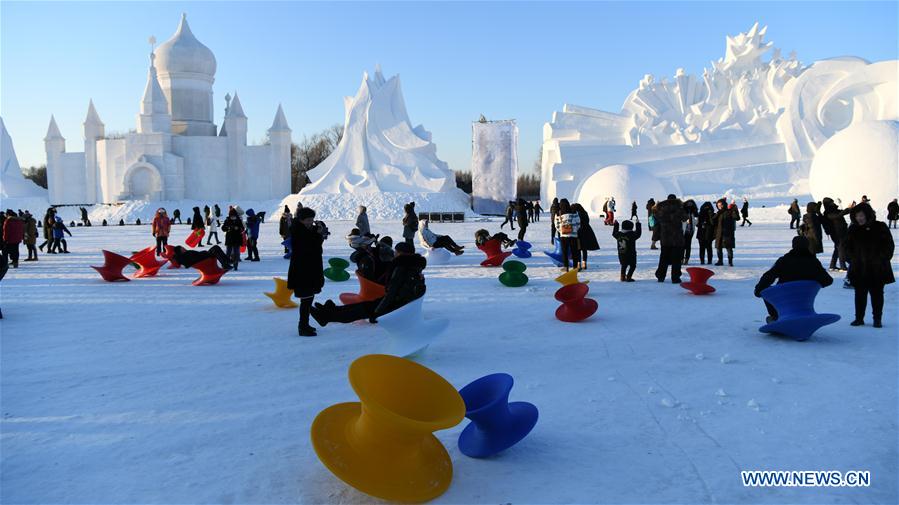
{"type": "Point", "coordinates": [155, 391]}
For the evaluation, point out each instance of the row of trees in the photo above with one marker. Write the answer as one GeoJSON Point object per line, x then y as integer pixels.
{"type": "Point", "coordinates": [528, 184]}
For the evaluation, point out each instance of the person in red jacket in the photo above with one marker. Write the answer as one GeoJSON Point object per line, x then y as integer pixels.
{"type": "Point", "coordinates": [13, 233]}
{"type": "Point", "coordinates": [161, 228]}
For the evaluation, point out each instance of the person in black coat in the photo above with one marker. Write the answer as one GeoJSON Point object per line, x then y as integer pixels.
{"type": "Point", "coordinates": [837, 229]}
{"type": "Point", "coordinates": [795, 214]}
{"type": "Point", "coordinates": [627, 247]}
{"type": "Point", "coordinates": [521, 213]}
{"type": "Point", "coordinates": [811, 228]}
{"type": "Point", "coordinates": [670, 217]}
{"type": "Point", "coordinates": [176, 216]}
{"type": "Point", "coordinates": [744, 211]}
{"type": "Point", "coordinates": [197, 222]}
{"type": "Point", "coordinates": [234, 230]}
{"type": "Point", "coordinates": [305, 275]}
{"type": "Point", "coordinates": [553, 211]}
{"type": "Point", "coordinates": [190, 257]}
{"type": "Point", "coordinates": [870, 247]}
{"type": "Point", "coordinates": [410, 223]}
{"type": "Point", "coordinates": [725, 231]}
{"type": "Point", "coordinates": [585, 234]}
{"type": "Point", "coordinates": [797, 265]}
{"type": "Point", "coordinates": [510, 216]}
{"type": "Point", "coordinates": [705, 231]}
{"type": "Point", "coordinates": [892, 213]}
{"type": "Point", "coordinates": [406, 283]}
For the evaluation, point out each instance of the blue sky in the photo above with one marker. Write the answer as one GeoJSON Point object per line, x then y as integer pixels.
{"type": "Point", "coordinates": [456, 59]}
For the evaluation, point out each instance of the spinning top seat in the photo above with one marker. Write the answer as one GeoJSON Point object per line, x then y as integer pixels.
{"type": "Point", "coordinates": [289, 245]}
{"type": "Point", "coordinates": [438, 256]}
{"type": "Point", "coordinates": [337, 270]}
{"type": "Point", "coordinates": [494, 252]}
{"type": "Point", "coordinates": [570, 277]}
{"type": "Point", "coordinates": [513, 276]}
{"type": "Point", "coordinates": [210, 272]}
{"type": "Point", "coordinates": [368, 290]}
{"type": "Point", "coordinates": [147, 264]}
{"type": "Point", "coordinates": [409, 332]}
{"type": "Point", "coordinates": [113, 264]}
{"type": "Point", "coordinates": [698, 284]}
{"type": "Point", "coordinates": [282, 295]}
{"type": "Point", "coordinates": [795, 305]}
{"type": "Point", "coordinates": [496, 424]}
{"type": "Point", "coordinates": [522, 249]}
{"type": "Point", "coordinates": [169, 254]}
{"type": "Point", "coordinates": [575, 306]}
{"type": "Point", "coordinates": [556, 254]}
{"type": "Point", "coordinates": [383, 445]}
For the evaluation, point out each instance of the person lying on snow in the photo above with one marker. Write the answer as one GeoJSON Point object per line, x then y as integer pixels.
{"type": "Point", "coordinates": [800, 264]}
{"type": "Point", "coordinates": [431, 240]}
{"type": "Point", "coordinates": [190, 257]}
{"type": "Point", "coordinates": [406, 283]}
{"type": "Point", "coordinates": [483, 236]}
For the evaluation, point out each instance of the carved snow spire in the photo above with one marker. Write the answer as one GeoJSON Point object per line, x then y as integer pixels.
{"type": "Point", "coordinates": [154, 101]}
{"type": "Point", "coordinates": [280, 122]}
{"type": "Point", "coordinates": [53, 130]}
{"type": "Point", "coordinates": [92, 119]}
{"type": "Point", "coordinates": [234, 108]}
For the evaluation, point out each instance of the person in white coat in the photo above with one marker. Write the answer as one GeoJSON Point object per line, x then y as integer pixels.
{"type": "Point", "coordinates": [362, 221]}
{"type": "Point", "coordinates": [431, 240]}
{"type": "Point", "coordinates": [212, 228]}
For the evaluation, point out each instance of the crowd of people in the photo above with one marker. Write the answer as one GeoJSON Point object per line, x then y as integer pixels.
{"type": "Point", "coordinates": [863, 247]}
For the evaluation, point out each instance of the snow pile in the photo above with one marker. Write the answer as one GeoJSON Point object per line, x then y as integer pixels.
{"type": "Point", "coordinates": [494, 165]}
{"type": "Point", "coordinates": [625, 183]}
{"type": "Point", "coordinates": [380, 205]}
{"type": "Point", "coordinates": [144, 210]}
{"type": "Point", "coordinates": [380, 150]}
{"type": "Point", "coordinates": [861, 160]}
{"type": "Point", "coordinates": [16, 191]}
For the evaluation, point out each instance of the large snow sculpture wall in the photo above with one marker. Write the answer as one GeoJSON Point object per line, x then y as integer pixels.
{"type": "Point", "coordinates": [751, 124]}
{"type": "Point", "coordinates": [494, 165]}
{"type": "Point", "coordinates": [13, 184]}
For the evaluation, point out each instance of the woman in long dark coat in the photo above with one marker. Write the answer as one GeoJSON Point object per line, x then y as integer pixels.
{"type": "Point", "coordinates": [305, 275]}
{"type": "Point", "coordinates": [870, 248]}
{"type": "Point", "coordinates": [705, 232]}
{"type": "Point", "coordinates": [725, 231]}
{"type": "Point", "coordinates": [811, 228]}
{"type": "Point", "coordinates": [586, 234]}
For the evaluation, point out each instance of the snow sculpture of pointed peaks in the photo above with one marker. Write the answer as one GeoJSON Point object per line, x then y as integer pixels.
{"type": "Point", "coordinates": [380, 150]}
{"type": "Point", "coordinates": [744, 52]}
{"type": "Point", "coordinates": [14, 187]}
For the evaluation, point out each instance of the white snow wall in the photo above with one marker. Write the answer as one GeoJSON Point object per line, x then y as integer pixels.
{"type": "Point", "coordinates": [494, 165]}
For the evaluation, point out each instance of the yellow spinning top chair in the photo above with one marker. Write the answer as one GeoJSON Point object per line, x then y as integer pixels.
{"type": "Point", "coordinates": [383, 445]}
{"type": "Point", "coordinates": [570, 277]}
{"type": "Point", "coordinates": [282, 294]}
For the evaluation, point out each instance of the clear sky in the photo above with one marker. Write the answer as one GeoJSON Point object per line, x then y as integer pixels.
{"type": "Point", "coordinates": [456, 59]}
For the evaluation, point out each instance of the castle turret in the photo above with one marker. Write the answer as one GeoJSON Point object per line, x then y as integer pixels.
{"type": "Point", "coordinates": [186, 74]}
{"type": "Point", "coordinates": [93, 129]}
{"type": "Point", "coordinates": [54, 143]}
{"type": "Point", "coordinates": [236, 133]}
{"type": "Point", "coordinates": [154, 114]}
{"type": "Point", "coordinates": [279, 136]}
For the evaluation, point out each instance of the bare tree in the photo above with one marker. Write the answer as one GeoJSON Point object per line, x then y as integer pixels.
{"type": "Point", "coordinates": [311, 151]}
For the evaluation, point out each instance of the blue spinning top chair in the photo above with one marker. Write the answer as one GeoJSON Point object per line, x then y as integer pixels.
{"type": "Point", "coordinates": [496, 424]}
{"type": "Point", "coordinates": [522, 249]}
{"type": "Point", "coordinates": [287, 243]}
{"type": "Point", "coordinates": [556, 254]}
{"type": "Point", "coordinates": [795, 304]}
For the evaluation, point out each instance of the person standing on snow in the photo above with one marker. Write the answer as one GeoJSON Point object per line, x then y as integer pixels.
{"type": "Point", "coordinates": [892, 213]}
{"type": "Point", "coordinates": [705, 232]}
{"type": "Point", "coordinates": [252, 235]}
{"type": "Point", "coordinates": [305, 275]}
{"type": "Point", "coordinates": [870, 248]}
{"type": "Point", "coordinates": [362, 221]}
{"type": "Point", "coordinates": [234, 230]}
{"type": "Point", "coordinates": [627, 247]}
{"type": "Point", "coordinates": [161, 227]}
{"type": "Point", "coordinates": [510, 213]}
{"type": "Point", "coordinates": [744, 211]}
{"type": "Point", "coordinates": [212, 228]}
{"type": "Point", "coordinates": [811, 228]}
{"type": "Point", "coordinates": [59, 241]}
{"type": "Point", "coordinates": [410, 223]}
{"type": "Point", "coordinates": [585, 234]}
{"type": "Point", "coordinates": [30, 236]}
{"type": "Point", "coordinates": [725, 231]}
{"type": "Point", "coordinates": [670, 217]}
{"type": "Point", "coordinates": [795, 215]}
{"type": "Point", "coordinates": [567, 226]}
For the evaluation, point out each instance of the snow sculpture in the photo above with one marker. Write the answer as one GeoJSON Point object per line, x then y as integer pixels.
{"type": "Point", "coordinates": [494, 165]}
{"type": "Point", "coordinates": [382, 162]}
{"type": "Point", "coordinates": [12, 183]}
{"type": "Point", "coordinates": [380, 150]}
{"type": "Point", "coordinates": [625, 183]}
{"type": "Point", "coordinates": [752, 123]}
{"type": "Point", "coordinates": [862, 159]}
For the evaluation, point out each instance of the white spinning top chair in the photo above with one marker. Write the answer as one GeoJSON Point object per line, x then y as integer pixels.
{"type": "Point", "coordinates": [409, 333]}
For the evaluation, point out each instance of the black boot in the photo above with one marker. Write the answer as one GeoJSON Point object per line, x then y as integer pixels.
{"type": "Point", "coordinates": [857, 322]}
{"type": "Point", "coordinates": [878, 323]}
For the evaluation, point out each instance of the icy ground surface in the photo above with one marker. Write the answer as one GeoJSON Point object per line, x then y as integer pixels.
{"type": "Point", "coordinates": [155, 391]}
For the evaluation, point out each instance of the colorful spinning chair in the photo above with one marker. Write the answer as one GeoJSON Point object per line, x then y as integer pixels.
{"type": "Point", "coordinates": [210, 272]}
{"type": "Point", "coordinates": [496, 424]}
{"type": "Point", "coordinates": [795, 304]}
{"type": "Point", "coordinates": [575, 306]}
{"type": "Point", "coordinates": [409, 332]}
{"type": "Point", "coordinates": [514, 276]}
{"type": "Point", "coordinates": [148, 266]}
{"type": "Point", "coordinates": [282, 295]}
{"type": "Point", "coordinates": [337, 270]}
{"type": "Point", "coordinates": [522, 249]}
{"type": "Point", "coordinates": [699, 278]}
{"type": "Point", "coordinates": [494, 252]}
{"type": "Point", "coordinates": [112, 267]}
{"type": "Point", "coordinates": [368, 291]}
{"type": "Point", "coordinates": [556, 254]}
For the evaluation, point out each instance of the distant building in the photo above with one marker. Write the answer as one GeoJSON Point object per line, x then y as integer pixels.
{"type": "Point", "coordinates": [177, 152]}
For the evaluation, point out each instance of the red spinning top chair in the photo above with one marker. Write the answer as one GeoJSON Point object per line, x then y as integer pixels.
{"type": "Point", "coordinates": [148, 266]}
{"type": "Point", "coordinates": [699, 278]}
{"type": "Point", "coordinates": [210, 272]}
{"type": "Point", "coordinates": [575, 306]}
{"type": "Point", "coordinates": [495, 254]}
{"type": "Point", "coordinates": [368, 291]}
{"type": "Point", "coordinates": [113, 264]}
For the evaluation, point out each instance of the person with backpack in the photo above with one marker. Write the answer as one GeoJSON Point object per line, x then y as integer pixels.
{"type": "Point", "coordinates": [567, 224]}
{"type": "Point", "coordinates": [627, 247]}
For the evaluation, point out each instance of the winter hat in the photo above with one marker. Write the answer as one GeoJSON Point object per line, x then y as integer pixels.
{"type": "Point", "coordinates": [672, 197]}
{"type": "Point", "coordinates": [387, 241]}
{"type": "Point", "coordinates": [405, 248]}
{"type": "Point", "coordinates": [627, 225]}
{"type": "Point", "coordinates": [305, 213]}
{"type": "Point", "coordinates": [800, 243]}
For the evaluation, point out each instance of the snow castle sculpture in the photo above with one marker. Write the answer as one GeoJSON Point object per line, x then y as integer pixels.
{"type": "Point", "coordinates": [15, 190]}
{"type": "Point", "coordinates": [748, 125]}
{"type": "Point", "coordinates": [175, 153]}
{"type": "Point", "coordinates": [494, 165]}
{"type": "Point", "coordinates": [381, 162]}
